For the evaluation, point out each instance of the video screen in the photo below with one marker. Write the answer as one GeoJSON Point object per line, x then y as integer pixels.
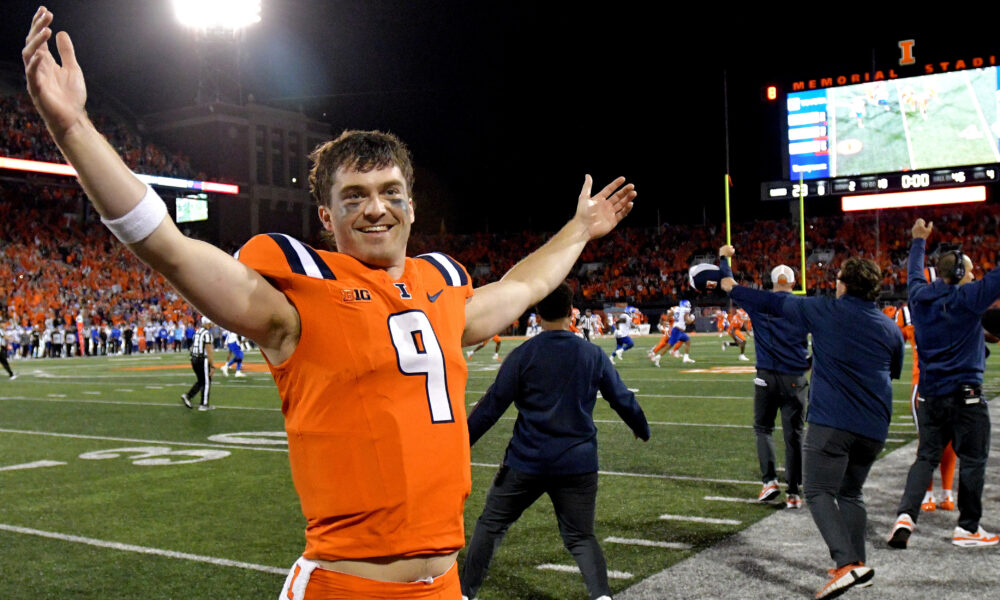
{"type": "Point", "coordinates": [191, 209]}
{"type": "Point", "coordinates": [926, 122]}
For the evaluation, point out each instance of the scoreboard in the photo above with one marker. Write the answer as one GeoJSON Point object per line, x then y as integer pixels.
{"type": "Point", "coordinates": [882, 182]}
{"type": "Point", "coordinates": [932, 131]}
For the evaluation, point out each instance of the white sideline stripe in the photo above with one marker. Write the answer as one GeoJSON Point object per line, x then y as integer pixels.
{"type": "Point", "coordinates": [222, 562]}
{"type": "Point", "coordinates": [139, 441]}
{"type": "Point", "coordinates": [123, 403]}
{"type": "Point", "coordinates": [730, 499]}
{"type": "Point", "coordinates": [894, 440]}
{"type": "Point", "coordinates": [700, 520]}
{"type": "Point", "coordinates": [651, 543]}
{"type": "Point", "coordinates": [93, 393]}
{"type": "Point", "coordinates": [132, 359]}
{"type": "Point", "coordinates": [33, 465]}
{"type": "Point", "coordinates": [574, 569]}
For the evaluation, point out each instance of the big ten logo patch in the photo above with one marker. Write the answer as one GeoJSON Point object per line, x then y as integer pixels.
{"type": "Point", "coordinates": [357, 295]}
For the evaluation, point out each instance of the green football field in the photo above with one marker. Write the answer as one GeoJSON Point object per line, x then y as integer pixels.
{"type": "Point", "coordinates": [956, 128]}
{"type": "Point", "coordinates": [109, 488]}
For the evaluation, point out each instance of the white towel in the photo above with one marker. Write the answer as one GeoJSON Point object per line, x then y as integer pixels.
{"type": "Point", "coordinates": [298, 579]}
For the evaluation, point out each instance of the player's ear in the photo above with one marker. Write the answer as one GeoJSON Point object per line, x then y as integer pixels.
{"type": "Point", "coordinates": [413, 214]}
{"type": "Point", "coordinates": [326, 218]}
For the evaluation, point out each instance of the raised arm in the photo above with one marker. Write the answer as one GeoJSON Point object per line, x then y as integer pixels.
{"type": "Point", "coordinates": [225, 290]}
{"type": "Point", "coordinates": [496, 305]}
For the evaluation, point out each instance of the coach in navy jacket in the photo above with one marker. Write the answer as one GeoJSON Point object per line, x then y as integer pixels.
{"type": "Point", "coordinates": [553, 380]}
{"type": "Point", "coordinates": [947, 320]}
{"type": "Point", "coordinates": [856, 351]}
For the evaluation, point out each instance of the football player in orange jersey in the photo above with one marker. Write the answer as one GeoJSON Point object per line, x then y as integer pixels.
{"type": "Point", "coordinates": [948, 456]}
{"type": "Point", "coordinates": [496, 354]}
{"type": "Point", "coordinates": [736, 319]}
{"type": "Point", "coordinates": [365, 344]}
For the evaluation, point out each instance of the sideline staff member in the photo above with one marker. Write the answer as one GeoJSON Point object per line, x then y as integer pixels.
{"type": "Point", "coordinates": [856, 351]}
{"type": "Point", "coordinates": [553, 380]}
{"type": "Point", "coordinates": [782, 362]}
{"type": "Point", "coordinates": [947, 320]}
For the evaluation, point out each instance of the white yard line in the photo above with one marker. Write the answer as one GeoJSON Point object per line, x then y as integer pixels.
{"type": "Point", "coordinates": [574, 569]}
{"type": "Point", "coordinates": [708, 520]}
{"type": "Point", "coordinates": [650, 543]}
{"type": "Point", "coordinates": [222, 562]}
{"type": "Point", "coordinates": [906, 126]}
{"type": "Point", "coordinates": [730, 499]}
{"type": "Point", "coordinates": [123, 403]}
{"type": "Point", "coordinates": [33, 465]}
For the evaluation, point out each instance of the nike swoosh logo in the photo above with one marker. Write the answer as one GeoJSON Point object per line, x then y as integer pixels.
{"type": "Point", "coordinates": [435, 296]}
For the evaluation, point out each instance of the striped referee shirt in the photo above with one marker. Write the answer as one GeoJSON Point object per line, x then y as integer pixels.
{"type": "Point", "coordinates": [202, 338]}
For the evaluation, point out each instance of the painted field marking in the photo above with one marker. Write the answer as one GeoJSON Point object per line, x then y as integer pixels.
{"type": "Point", "coordinates": [650, 543]}
{"type": "Point", "coordinates": [730, 499]}
{"type": "Point", "coordinates": [154, 387]}
{"type": "Point", "coordinates": [124, 403]}
{"type": "Point", "coordinates": [575, 569]}
{"type": "Point", "coordinates": [33, 465]}
{"type": "Point", "coordinates": [136, 441]}
{"type": "Point", "coordinates": [894, 440]}
{"type": "Point", "coordinates": [56, 395]}
{"type": "Point", "coordinates": [708, 520]}
{"type": "Point", "coordinates": [124, 390]}
{"type": "Point", "coordinates": [222, 562]}
{"type": "Point", "coordinates": [92, 393]}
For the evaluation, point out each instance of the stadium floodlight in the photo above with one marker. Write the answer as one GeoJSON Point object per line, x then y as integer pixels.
{"type": "Point", "coordinates": [227, 15]}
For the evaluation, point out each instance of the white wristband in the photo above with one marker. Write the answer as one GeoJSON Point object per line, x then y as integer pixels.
{"type": "Point", "coordinates": [140, 222]}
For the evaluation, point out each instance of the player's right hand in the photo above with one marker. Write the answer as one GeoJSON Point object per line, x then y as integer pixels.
{"type": "Point", "coordinates": [727, 251]}
{"type": "Point", "coordinates": [58, 92]}
{"type": "Point", "coordinates": [922, 231]}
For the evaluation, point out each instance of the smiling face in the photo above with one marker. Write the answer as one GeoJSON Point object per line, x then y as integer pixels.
{"type": "Point", "coordinates": [369, 216]}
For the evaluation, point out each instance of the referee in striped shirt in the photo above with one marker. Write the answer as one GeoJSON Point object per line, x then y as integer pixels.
{"type": "Point", "coordinates": [202, 355]}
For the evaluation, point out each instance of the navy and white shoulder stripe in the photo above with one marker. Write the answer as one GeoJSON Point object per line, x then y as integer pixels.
{"type": "Point", "coordinates": [452, 272]}
{"type": "Point", "coordinates": [302, 259]}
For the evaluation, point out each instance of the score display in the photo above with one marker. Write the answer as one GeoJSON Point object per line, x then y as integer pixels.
{"type": "Point", "coordinates": [192, 208]}
{"type": "Point", "coordinates": [883, 182]}
{"type": "Point", "coordinates": [939, 130]}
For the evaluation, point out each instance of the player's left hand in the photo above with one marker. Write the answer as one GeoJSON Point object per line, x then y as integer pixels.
{"type": "Point", "coordinates": [727, 251]}
{"type": "Point", "coordinates": [600, 213]}
{"type": "Point", "coordinates": [727, 284]}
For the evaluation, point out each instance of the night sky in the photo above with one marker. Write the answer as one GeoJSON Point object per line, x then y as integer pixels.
{"type": "Point", "coordinates": [505, 105]}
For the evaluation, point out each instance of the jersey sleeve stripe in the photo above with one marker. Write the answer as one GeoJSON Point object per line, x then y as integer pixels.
{"type": "Point", "coordinates": [452, 272]}
{"type": "Point", "coordinates": [301, 258]}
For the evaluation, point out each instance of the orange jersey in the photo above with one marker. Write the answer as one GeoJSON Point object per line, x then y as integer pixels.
{"type": "Point", "coordinates": [496, 339]}
{"type": "Point", "coordinates": [373, 399]}
{"type": "Point", "coordinates": [720, 320]}
{"type": "Point", "coordinates": [906, 326]}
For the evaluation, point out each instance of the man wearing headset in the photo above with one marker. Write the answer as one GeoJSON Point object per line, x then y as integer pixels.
{"type": "Point", "coordinates": [947, 318]}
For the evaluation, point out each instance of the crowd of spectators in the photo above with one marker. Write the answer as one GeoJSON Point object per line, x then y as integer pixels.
{"type": "Point", "coordinates": [23, 135]}
{"type": "Point", "coordinates": [57, 263]}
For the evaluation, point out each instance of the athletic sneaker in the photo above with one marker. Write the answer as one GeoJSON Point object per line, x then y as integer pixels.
{"type": "Point", "coordinates": [620, 353]}
{"type": "Point", "coordinates": [185, 400]}
{"type": "Point", "coordinates": [769, 491]}
{"type": "Point", "coordinates": [225, 370]}
{"type": "Point", "coordinates": [793, 501]}
{"type": "Point", "coordinates": [901, 531]}
{"type": "Point", "coordinates": [688, 359]}
{"type": "Point", "coordinates": [947, 504]}
{"type": "Point", "coordinates": [205, 407]}
{"type": "Point", "coordinates": [971, 540]}
{"type": "Point", "coordinates": [239, 374]}
{"type": "Point", "coordinates": [468, 354]}
{"type": "Point", "coordinates": [844, 578]}
{"type": "Point", "coordinates": [656, 359]}
{"type": "Point", "coordinates": [928, 504]}
{"type": "Point", "coordinates": [496, 357]}
{"type": "Point", "coordinates": [13, 376]}
{"type": "Point", "coordinates": [724, 345]}
{"type": "Point", "coordinates": [743, 357]}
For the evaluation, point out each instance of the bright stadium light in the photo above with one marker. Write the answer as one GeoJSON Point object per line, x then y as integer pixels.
{"type": "Point", "coordinates": [229, 15]}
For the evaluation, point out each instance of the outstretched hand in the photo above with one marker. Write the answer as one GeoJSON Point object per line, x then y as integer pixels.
{"type": "Point", "coordinates": [600, 213]}
{"type": "Point", "coordinates": [922, 231]}
{"type": "Point", "coordinates": [58, 92]}
{"type": "Point", "coordinates": [727, 251]}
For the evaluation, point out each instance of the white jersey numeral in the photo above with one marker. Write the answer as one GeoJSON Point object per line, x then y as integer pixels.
{"type": "Point", "coordinates": [418, 352]}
